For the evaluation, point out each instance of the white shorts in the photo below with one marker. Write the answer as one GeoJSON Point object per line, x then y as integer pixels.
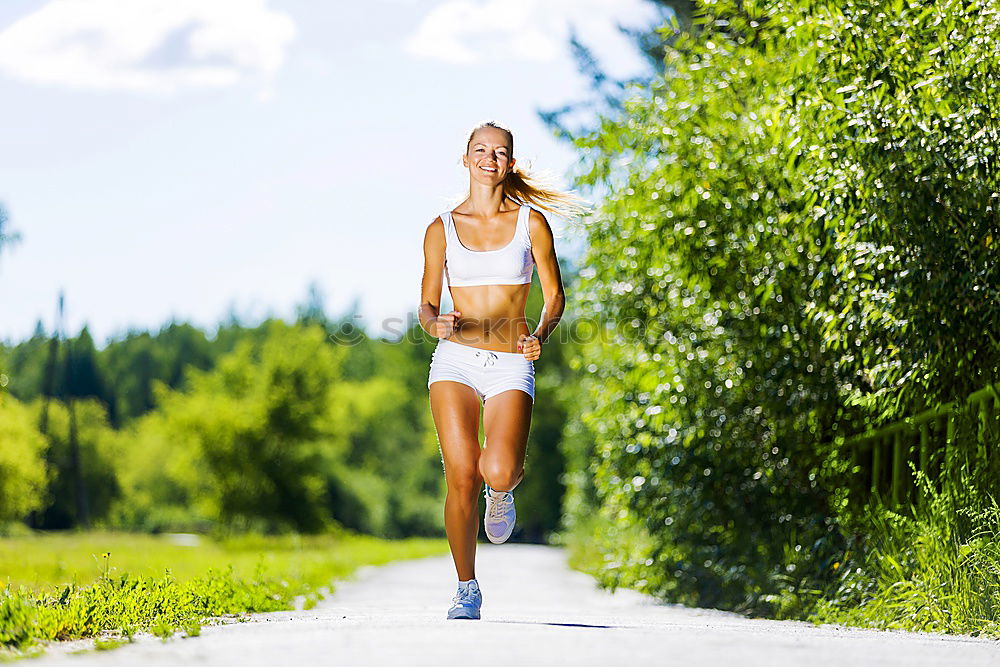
{"type": "Point", "coordinates": [488, 372]}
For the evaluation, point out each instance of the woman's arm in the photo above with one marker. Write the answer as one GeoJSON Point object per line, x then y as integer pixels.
{"type": "Point", "coordinates": [544, 252]}
{"type": "Point", "coordinates": [439, 326]}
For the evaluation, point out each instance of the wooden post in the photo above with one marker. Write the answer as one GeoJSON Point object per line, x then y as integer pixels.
{"type": "Point", "coordinates": [925, 437]}
{"type": "Point", "coordinates": [996, 416]}
{"type": "Point", "coordinates": [985, 427]}
{"type": "Point", "coordinates": [996, 419]}
{"type": "Point", "coordinates": [948, 443]}
{"type": "Point", "coordinates": [876, 465]}
{"type": "Point", "coordinates": [897, 468]}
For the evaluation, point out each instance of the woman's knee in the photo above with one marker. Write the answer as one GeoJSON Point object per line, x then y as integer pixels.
{"type": "Point", "coordinates": [500, 475]}
{"type": "Point", "coordinates": [464, 482]}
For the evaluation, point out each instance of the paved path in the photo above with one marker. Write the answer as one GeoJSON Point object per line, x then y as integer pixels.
{"type": "Point", "coordinates": [535, 612]}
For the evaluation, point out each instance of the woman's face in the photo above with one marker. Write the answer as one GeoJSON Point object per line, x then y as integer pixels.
{"type": "Point", "coordinates": [489, 156]}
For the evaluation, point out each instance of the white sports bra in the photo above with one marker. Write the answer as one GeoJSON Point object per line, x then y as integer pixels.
{"type": "Point", "coordinates": [509, 265]}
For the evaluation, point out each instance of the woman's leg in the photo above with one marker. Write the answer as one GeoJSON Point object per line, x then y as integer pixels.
{"type": "Point", "coordinates": [506, 419]}
{"type": "Point", "coordinates": [455, 407]}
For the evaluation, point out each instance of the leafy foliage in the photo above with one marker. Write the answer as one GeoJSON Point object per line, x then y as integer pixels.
{"type": "Point", "coordinates": [92, 431]}
{"type": "Point", "coordinates": [270, 427]}
{"type": "Point", "coordinates": [910, 187]}
{"type": "Point", "coordinates": [258, 421]}
{"type": "Point", "coordinates": [22, 465]}
{"type": "Point", "coordinates": [769, 269]}
{"type": "Point", "coordinates": [709, 389]}
{"type": "Point", "coordinates": [274, 437]}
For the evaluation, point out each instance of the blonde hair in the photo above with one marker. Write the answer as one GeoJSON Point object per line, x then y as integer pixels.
{"type": "Point", "coordinates": [527, 188]}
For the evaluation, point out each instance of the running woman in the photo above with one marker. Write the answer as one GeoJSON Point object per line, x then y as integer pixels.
{"type": "Point", "coordinates": [487, 247]}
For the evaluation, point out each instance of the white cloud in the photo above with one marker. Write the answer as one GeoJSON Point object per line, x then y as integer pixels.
{"type": "Point", "coordinates": [469, 32]}
{"type": "Point", "coordinates": [156, 46]}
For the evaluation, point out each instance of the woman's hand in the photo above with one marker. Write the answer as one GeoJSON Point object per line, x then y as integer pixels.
{"type": "Point", "coordinates": [444, 325]}
{"type": "Point", "coordinates": [530, 346]}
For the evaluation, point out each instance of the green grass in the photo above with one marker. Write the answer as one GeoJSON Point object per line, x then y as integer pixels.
{"type": "Point", "coordinates": [111, 585]}
{"type": "Point", "coordinates": [935, 569]}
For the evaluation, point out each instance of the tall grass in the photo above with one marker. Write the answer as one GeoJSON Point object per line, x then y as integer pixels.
{"type": "Point", "coordinates": [936, 569]}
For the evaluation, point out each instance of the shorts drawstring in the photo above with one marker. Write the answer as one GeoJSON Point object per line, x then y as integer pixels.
{"type": "Point", "coordinates": [490, 357]}
{"type": "Point", "coordinates": [488, 373]}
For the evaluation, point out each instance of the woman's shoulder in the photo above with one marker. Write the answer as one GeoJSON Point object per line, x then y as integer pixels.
{"type": "Point", "coordinates": [538, 224]}
{"type": "Point", "coordinates": [435, 230]}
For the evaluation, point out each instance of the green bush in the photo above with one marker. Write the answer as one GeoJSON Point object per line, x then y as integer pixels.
{"type": "Point", "coordinates": [796, 240]}
{"type": "Point", "coordinates": [165, 483]}
{"type": "Point", "coordinates": [707, 389]}
{"type": "Point", "coordinates": [908, 185]}
{"type": "Point", "coordinates": [23, 473]}
{"type": "Point", "coordinates": [261, 421]}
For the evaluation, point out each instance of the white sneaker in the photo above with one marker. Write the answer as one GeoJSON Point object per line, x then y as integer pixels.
{"type": "Point", "coordinates": [500, 515]}
{"type": "Point", "coordinates": [467, 601]}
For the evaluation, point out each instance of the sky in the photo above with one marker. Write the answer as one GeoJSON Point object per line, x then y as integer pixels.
{"type": "Point", "coordinates": [190, 160]}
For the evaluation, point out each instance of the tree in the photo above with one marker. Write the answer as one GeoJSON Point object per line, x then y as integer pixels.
{"type": "Point", "coordinates": [772, 269]}
{"type": "Point", "coordinates": [910, 200]}
{"type": "Point", "coordinates": [78, 462]}
{"type": "Point", "coordinates": [23, 474]}
{"type": "Point", "coordinates": [261, 420]}
{"type": "Point", "coordinates": [313, 310]}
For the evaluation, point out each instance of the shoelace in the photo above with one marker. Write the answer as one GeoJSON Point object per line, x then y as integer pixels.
{"type": "Point", "coordinates": [464, 596]}
{"type": "Point", "coordinates": [490, 357]}
{"type": "Point", "coordinates": [500, 505]}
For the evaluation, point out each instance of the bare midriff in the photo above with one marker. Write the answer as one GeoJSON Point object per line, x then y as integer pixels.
{"type": "Point", "coordinates": [492, 316]}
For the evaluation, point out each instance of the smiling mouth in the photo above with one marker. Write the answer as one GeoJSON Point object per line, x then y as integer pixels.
{"type": "Point", "coordinates": [491, 170]}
